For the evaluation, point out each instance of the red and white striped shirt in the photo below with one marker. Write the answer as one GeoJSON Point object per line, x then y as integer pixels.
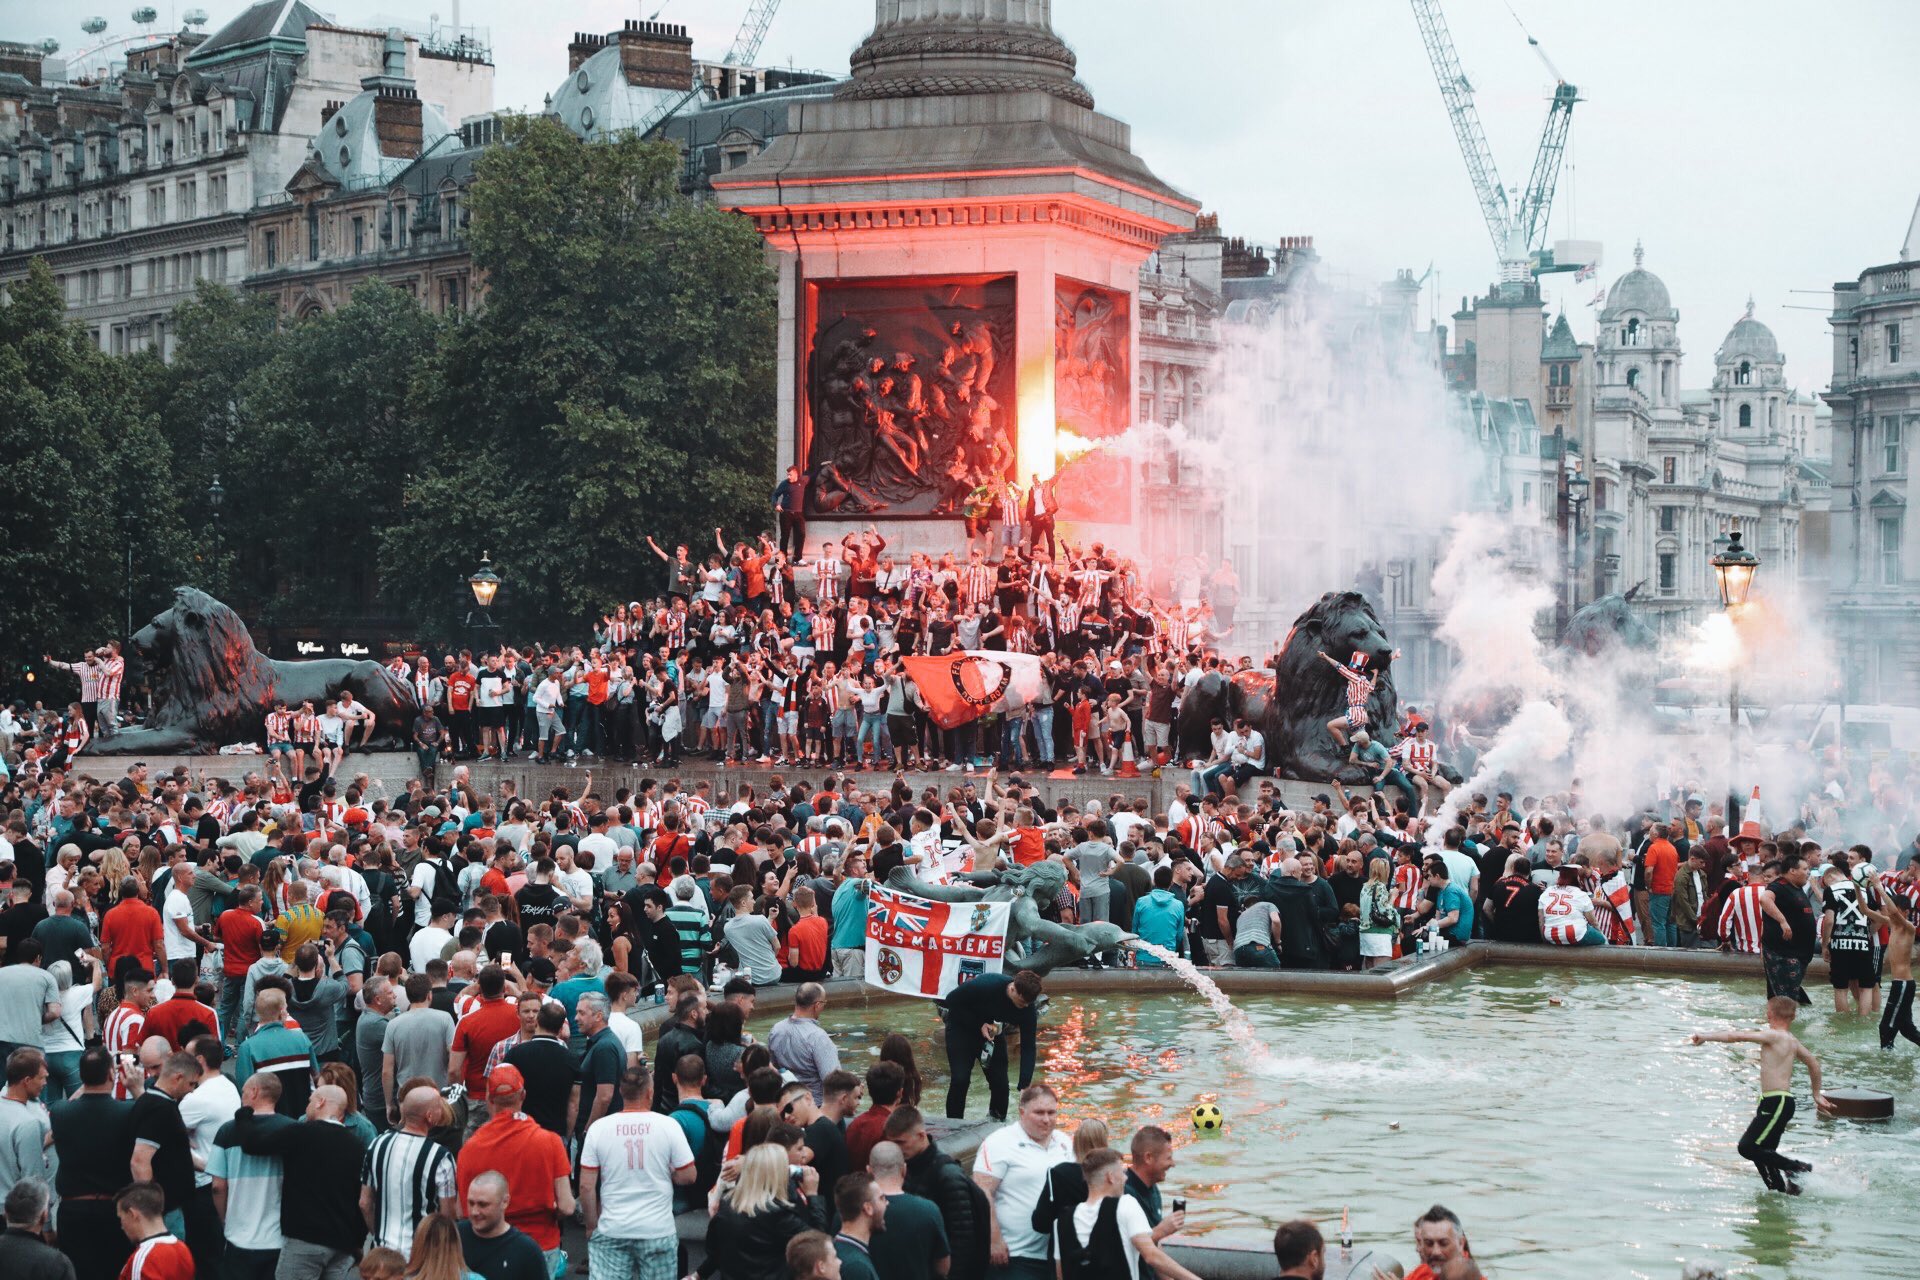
{"type": "Point", "coordinates": [826, 628]}
{"type": "Point", "coordinates": [1408, 883]}
{"type": "Point", "coordinates": [1615, 900]}
{"type": "Point", "coordinates": [1564, 909]}
{"type": "Point", "coordinates": [1067, 616]}
{"type": "Point", "coordinates": [1419, 756]}
{"type": "Point", "coordinates": [618, 629]}
{"type": "Point", "coordinates": [1090, 581]}
{"type": "Point", "coordinates": [810, 843]}
{"type": "Point", "coordinates": [696, 807]}
{"type": "Point", "coordinates": [279, 721]}
{"type": "Point", "coordinates": [646, 814]}
{"type": "Point", "coordinates": [976, 583]}
{"type": "Point", "coordinates": [1740, 919]}
{"type": "Point", "coordinates": [826, 578]}
{"type": "Point", "coordinates": [76, 736]}
{"type": "Point", "coordinates": [112, 671]}
{"type": "Point", "coordinates": [125, 1032]}
{"type": "Point", "coordinates": [305, 727]}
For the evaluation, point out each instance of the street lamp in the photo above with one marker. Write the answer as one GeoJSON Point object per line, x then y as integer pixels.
{"type": "Point", "coordinates": [484, 583]}
{"type": "Point", "coordinates": [1578, 490]}
{"type": "Point", "coordinates": [1734, 567]}
{"type": "Point", "coordinates": [216, 494]}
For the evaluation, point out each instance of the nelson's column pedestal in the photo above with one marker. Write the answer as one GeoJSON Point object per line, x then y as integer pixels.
{"type": "Point", "coordinates": [959, 237]}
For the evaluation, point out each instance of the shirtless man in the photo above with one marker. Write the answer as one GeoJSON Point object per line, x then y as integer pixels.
{"type": "Point", "coordinates": [1779, 1048]}
{"type": "Point", "coordinates": [1896, 1018]}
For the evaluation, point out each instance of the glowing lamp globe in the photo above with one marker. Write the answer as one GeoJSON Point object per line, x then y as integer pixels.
{"type": "Point", "coordinates": [1207, 1118]}
{"type": "Point", "coordinates": [485, 582]}
{"type": "Point", "coordinates": [1734, 567]}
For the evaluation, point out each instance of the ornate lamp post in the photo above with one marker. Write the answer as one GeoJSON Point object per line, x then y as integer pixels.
{"type": "Point", "coordinates": [1734, 567]}
{"type": "Point", "coordinates": [1578, 491]}
{"type": "Point", "coordinates": [216, 494]}
{"type": "Point", "coordinates": [484, 583]}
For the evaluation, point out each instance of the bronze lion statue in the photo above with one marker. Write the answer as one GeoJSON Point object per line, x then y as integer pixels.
{"type": "Point", "coordinates": [1292, 707]}
{"type": "Point", "coordinates": [211, 687]}
{"type": "Point", "coordinates": [1607, 624]}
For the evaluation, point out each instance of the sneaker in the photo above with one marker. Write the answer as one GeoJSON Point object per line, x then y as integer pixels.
{"type": "Point", "coordinates": [483, 759]}
{"type": "Point", "coordinates": [954, 768]}
{"type": "Point", "coordinates": [766, 759]}
{"type": "Point", "coordinates": [587, 754]}
{"type": "Point", "coordinates": [1079, 771]}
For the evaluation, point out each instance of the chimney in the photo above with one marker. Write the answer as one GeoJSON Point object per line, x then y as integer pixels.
{"type": "Point", "coordinates": [656, 55]}
{"type": "Point", "coordinates": [393, 60]}
{"type": "Point", "coordinates": [396, 121]}
{"type": "Point", "coordinates": [330, 110]}
{"type": "Point", "coordinates": [22, 60]}
{"type": "Point", "coordinates": [584, 46]}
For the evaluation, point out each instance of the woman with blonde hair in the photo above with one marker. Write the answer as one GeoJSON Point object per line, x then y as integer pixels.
{"type": "Point", "coordinates": [1379, 921]}
{"type": "Point", "coordinates": [759, 1214]}
{"type": "Point", "coordinates": [114, 869]}
{"type": "Point", "coordinates": [273, 887]}
{"type": "Point", "coordinates": [436, 1253]}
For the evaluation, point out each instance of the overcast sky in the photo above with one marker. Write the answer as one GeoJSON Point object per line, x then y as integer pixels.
{"type": "Point", "coordinates": [1756, 146]}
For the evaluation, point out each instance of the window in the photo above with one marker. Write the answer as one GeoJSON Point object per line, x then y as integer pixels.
{"type": "Point", "coordinates": [1669, 519]}
{"type": "Point", "coordinates": [1744, 376]}
{"type": "Point", "coordinates": [359, 236]}
{"type": "Point", "coordinates": [1630, 336]}
{"type": "Point", "coordinates": [189, 200]}
{"type": "Point", "coordinates": [452, 294]}
{"type": "Point", "coordinates": [1666, 382]}
{"type": "Point", "coordinates": [1669, 563]}
{"type": "Point", "coordinates": [270, 247]}
{"type": "Point", "coordinates": [1890, 446]}
{"type": "Point", "coordinates": [1526, 495]}
{"type": "Point", "coordinates": [1599, 495]}
{"type": "Point", "coordinates": [1746, 416]}
{"type": "Point", "coordinates": [217, 193]}
{"type": "Point", "coordinates": [1893, 344]}
{"type": "Point", "coordinates": [1890, 551]}
{"type": "Point", "coordinates": [156, 204]}
{"type": "Point", "coordinates": [452, 206]}
{"type": "Point", "coordinates": [1633, 377]}
{"type": "Point", "coordinates": [313, 234]}
{"type": "Point", "coordinates": [1667, 469]}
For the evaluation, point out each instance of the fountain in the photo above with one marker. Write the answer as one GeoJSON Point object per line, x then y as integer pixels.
{"type": "Point", "coordinates": [1232, 1020]}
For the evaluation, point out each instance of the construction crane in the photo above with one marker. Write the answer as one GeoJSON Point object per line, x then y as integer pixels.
{"type": "Point", "coordinates": [1519, 233]}
{"type": "Point", "coordinates": [745, 48]}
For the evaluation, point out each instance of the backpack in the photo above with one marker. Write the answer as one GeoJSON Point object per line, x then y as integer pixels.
{"type": "Point", "coordinates": [707, 1157]}
{"type": "Point", "coordinates": [445, 897]}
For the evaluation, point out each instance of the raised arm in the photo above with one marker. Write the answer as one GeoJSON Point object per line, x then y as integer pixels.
{"type": "Point", "coordinates": [1805, 1055]}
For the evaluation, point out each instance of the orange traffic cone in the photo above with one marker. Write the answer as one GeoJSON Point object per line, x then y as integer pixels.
{"type": "Point", "coordinates": [1129, 767]}
{"type": "Point", "coordinates": [1753, 805]}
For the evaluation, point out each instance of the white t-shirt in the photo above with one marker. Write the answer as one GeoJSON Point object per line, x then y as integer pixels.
{"type": "Point", "coordinates": [178, 908]}
{"type": "Point", "coordinates": [1021, 1164]}
{"type": "Point", "coordinates": [1131, 1219]}
{"type": "Point", "coordinates": [636, 1153]}
{"type": "Point", "coordinates": [629, 1033]}
{"type": "Point", "coordinates": [212, 1103]}
{"type": "Point", "coordinates": [493, 689]}
{"type": "Point", "coordinates": [1564, 913]}
{"type": "Point", "coordinates": [716, 692]}
{"type": "Point", "coordinates": [602, 847]}
{"type": "Point", "coordinates": [576, 883]}
{"type": "Point", "coordinates": [426, 944]}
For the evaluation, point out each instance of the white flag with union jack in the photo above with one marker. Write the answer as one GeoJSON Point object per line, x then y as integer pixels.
{"type": "Point", "coordinates": [921, 948]}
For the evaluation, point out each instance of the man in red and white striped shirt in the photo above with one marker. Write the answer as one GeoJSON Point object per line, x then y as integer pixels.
{"type": "Point", "coordinates": [826, 573]}
{"type": "Point", "coordinates": [1740, 917]}
{"type": "Point", "coordinates": [976, 581]}
{"type": "Point", "coordinates": [126, 1028]}
{"type": "Point", "coordinates": [112, 669]}
{"type": "Point", "coordinates": [157, 1253]}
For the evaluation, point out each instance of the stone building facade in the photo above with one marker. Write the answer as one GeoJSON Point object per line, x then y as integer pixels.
{"type": "Point", "coordinates": [138, 187]}
{"type": "Point", "coordinates": [1875, 398]}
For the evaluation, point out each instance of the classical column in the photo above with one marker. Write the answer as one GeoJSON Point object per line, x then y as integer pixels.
{"type": "Point", "coordinates": [920, 48]}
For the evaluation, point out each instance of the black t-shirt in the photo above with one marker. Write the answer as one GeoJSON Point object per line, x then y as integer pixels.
{"type": "Point", "coordinates": [1346, 888]}
{"type": "Point", "coordinates": [829, 1146]}
{"type": "Point", "coordinates": [93, 1134]}
{"type": "Point", "coordinates": [16, 925]}
{"type": "Point", "coordinates": [1516, 909]}
{"type": "Point", "coordinates": [1218, 893]}
{"type": "Point", "coordinates": [30, 865]}
{"type": "Point", "coordinates": [539, 904]}
{"type": "Point", "coordinates": [156, 1121]}
{"type": "Point", "coordinates": [511, 1255]}
{"type": "Point", "coordinates": [505, 939]}
{"type": "Point", "coordinates": [603, 1063]}
{"type": "Point", "coordinates": [1798, 911]}
{"type": "Point", "coordinates": [548, 1069]}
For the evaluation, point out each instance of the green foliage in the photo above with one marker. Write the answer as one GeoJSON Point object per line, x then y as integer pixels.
{"type": "Point", "coordinates": [618, 383]}
{"type": "Point", "coordinates": [86, 489]}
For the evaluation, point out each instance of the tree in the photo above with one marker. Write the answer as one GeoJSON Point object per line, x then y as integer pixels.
{"type": "Point", "coordinates": [618, 382]}
{"type": "Point", "coordinates": [90, 527]}
{"type": "Point", "coordinates": [327, 427]}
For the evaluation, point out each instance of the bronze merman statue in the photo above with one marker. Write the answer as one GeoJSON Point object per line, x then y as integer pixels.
{"type": "Point", "coordinates": [1032, 942]}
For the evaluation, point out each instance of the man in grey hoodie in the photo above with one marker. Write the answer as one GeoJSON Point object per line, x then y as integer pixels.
{"type": "Point", "coordinates": [269, 965]}
{"type": "Point", "coordinates": [318, 994]}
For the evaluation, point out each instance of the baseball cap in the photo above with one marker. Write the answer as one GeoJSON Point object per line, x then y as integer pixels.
{"type": "Point", "coordinates": [504, 1081]}
{"type": "Point", "coordinates": [542, 970]}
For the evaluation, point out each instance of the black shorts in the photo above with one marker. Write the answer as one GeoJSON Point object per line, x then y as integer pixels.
{"type": "Point", "coordinates": [493, 717]}
{"type": "Point", "coordinates": [1851, 967]}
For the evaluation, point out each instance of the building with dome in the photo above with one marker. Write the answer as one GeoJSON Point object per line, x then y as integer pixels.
{"type": "Point", "coordinates": [136, 187]}
{"type": "Point", "coordinates": [1875, 397]}
{"type": "Point", "coordinates": [1673, 469]}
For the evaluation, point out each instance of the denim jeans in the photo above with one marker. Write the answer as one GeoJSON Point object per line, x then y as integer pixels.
{"type": "Point", "coordinates": [846, 728]}
{"type": "Point", "coordinates": [873, 728]}
{"type": "Point", "coordinates": [1013, 731]}
{"type": "Point", "coordinates": [63, 1075]}
{"type": "Point", "coordinates": [1042, 722]}
{"type": "Point", "coordinates": [1660, 914]}
{"type": "Point", "coordinates": [769, 726]}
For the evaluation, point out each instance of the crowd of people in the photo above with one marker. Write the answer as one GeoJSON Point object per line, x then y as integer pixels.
{"type": "Point", "coordinates": [302, 1024]}
{"type": "Point", "coordinates": [756, 656]}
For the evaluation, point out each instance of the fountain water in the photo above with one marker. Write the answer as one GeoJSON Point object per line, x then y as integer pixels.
{"type": "Point", "coordinates": [1232, 1020]}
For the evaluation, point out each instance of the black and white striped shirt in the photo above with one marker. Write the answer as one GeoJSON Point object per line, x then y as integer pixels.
{"type": "Point", "coordinates": [408, 1175]}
